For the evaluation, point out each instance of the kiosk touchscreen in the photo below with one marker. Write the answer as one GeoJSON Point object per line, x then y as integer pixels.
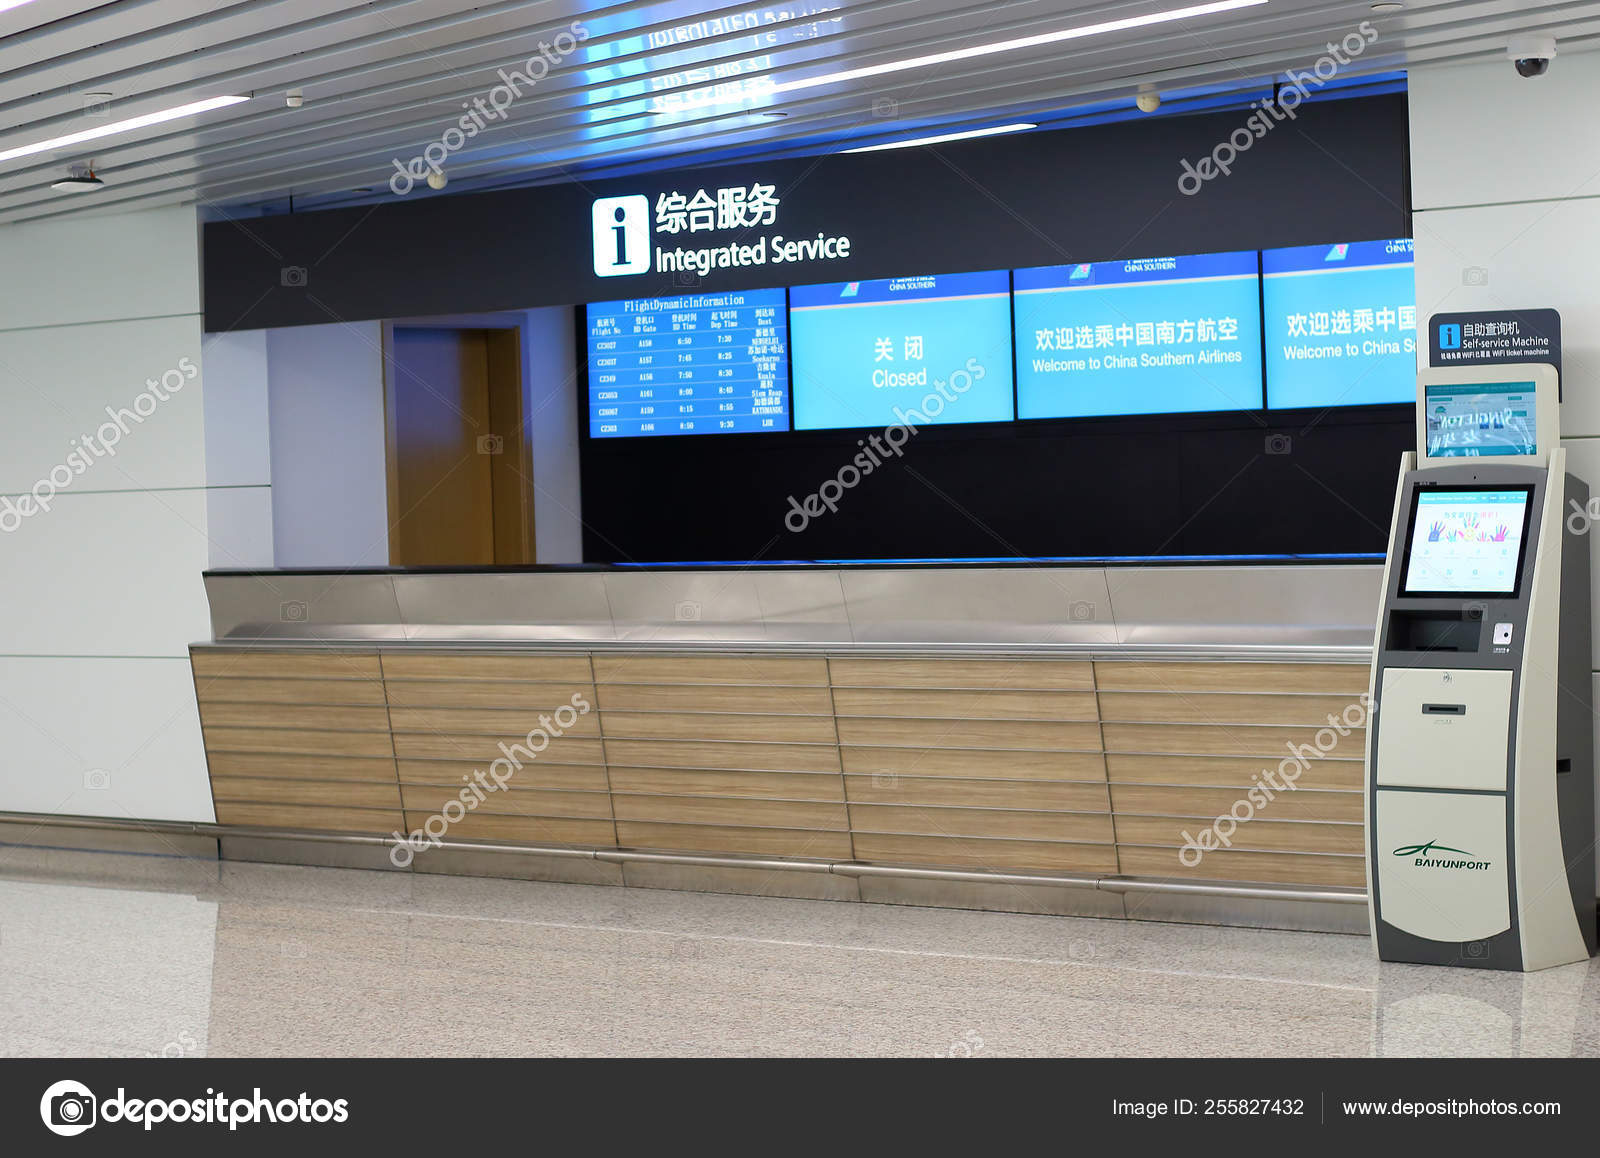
{"type": "Point", "coordinates": [1480, 764]}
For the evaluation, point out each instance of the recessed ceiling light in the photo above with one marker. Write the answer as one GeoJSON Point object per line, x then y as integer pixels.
{"type": "Point", "coordinates": [8, 5]}
{"type": "Point", "coordinates": [1384, 7]}
{"type": "Point", "coordinates": [942, 138]}
{"type": "Point", "coordinates": [1076, 33]}
{"type": "Point", "coordinates": [362, 189]}
{"type": "Point", "coordinates": [113, 127]}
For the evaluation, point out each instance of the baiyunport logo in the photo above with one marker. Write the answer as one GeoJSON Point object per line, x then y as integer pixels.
{"type": "Point", "coordinates": [1425, 858]}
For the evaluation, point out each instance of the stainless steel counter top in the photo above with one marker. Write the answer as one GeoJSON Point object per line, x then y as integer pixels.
{"type": "Point", "coordinates": [1295, 611]}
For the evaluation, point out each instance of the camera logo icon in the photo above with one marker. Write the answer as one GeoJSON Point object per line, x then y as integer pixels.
{"type": "Point", "coordinates": [68, 1108]}
{"type": "Point", "coordinates": [491, 444]}
{"type": "Point", "coordinates": [294, 611]}
{"type": "Point", "coordinates": [686, 611]}
{"type": "Point", "coordinates": [293, 277]}
{"type": "Point", "coordinates": [1279, 444]}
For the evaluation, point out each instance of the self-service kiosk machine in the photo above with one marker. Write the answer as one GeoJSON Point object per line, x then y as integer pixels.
{"type": "Point", "coordinates": [1480, 764]}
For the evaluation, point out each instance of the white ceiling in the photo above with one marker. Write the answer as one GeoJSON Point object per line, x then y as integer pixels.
{"type": "Point", "coordinates": [648, 86]}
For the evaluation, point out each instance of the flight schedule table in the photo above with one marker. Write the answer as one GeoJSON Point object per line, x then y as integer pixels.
{"type": "Point", "coordinates": [696, 364]}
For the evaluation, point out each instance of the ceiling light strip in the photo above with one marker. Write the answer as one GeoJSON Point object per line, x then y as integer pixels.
{"type": "Point", "coordinates": [1022, 42]}
{"type": "Point", "coordinates": [943, 138]}
{"type": "Point", "coordinates": [189, 110]}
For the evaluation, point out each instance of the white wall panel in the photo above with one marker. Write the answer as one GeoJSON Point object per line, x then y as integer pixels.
{"type": "Point", "coordinates": [58, 382]}
{"type": "Point", "coordinates": [134, 265]}
{"type": "Point", "coordinates": [102, 737]}
{"type": "Point", "coordinates": [1481, 134]}
{"type": "Point", "coordinates": [113, 574]}
{"type": "Point", "coordinates": [238, 449]}
{"type": "Point", "coordinates": [1505, 176]}
{"type": "Point", "coordinates": [1538, 254]}
{"type": "Point", "coordinates": [89, 310]}
{"type": "Point", "coordinates": [239, 526]}
{"type": "Point", "coordinates": [554, 418]}
{"type": "Point", "coordinates": [329, 472]}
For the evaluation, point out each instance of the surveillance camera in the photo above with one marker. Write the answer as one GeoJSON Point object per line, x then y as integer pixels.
{"type": "Point", "coordinates": [1148, 101]}
{"type": "Point", "coordinates": [437, 179]}
{"type": "Point", "coordinates": [294, 98]}
{"type": "Point", "coordinates": [1531, 54]}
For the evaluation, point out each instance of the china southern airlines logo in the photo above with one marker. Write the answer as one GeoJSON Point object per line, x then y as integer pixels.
{"type": "Point", "coordinates": [1080, 272]}
{"type": "Point", "coordinates": [1426, 857]}
{"type": "Point", "coordinates": [621, 235]}
{"type": "Point", "coordinates": [1337, 253]}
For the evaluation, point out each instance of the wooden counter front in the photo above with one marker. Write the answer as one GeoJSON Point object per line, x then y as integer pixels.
{"type": "Point", "coordinates": [1009, 763]}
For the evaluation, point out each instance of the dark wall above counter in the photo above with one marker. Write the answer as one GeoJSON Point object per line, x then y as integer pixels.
{"type": "Point", "coordinates": [1337, 171]}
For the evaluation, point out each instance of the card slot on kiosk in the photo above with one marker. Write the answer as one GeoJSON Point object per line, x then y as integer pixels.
{"type": "Point", "coordinates": [1480, 764]}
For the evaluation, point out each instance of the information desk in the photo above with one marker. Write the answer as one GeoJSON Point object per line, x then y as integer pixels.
{"type": "Point", "coordinates": [1150, 735]}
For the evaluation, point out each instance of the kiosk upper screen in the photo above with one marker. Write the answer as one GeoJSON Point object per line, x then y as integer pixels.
{"type": "Point", "coordinates": [1483, 419]}
{"type": "Point", "coordinates": [1466, 542]}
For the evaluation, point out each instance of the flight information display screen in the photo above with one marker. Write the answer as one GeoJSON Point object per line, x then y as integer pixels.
{"type": "Point", "coordinates": [1341, 323]}
{"type": "Point", "coordinates": [1485, 419]}
{"type": "Point", "coordinates": [1466, 541]}
{"type": "Point", "coordinates": [696, 364]}
{"type": "Point", "coordinates": [1151, 336]}
{"type": "Point", "coordinates": [928, 350]}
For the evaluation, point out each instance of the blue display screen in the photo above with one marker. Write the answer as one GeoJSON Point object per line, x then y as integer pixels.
{"type": "Point", "coordinates": [913, 351]}
{"type": "Point", "coordinates": [1341, 324]}
{"type": "Point", "coordinates": [1152, 336]}
{"type": "Point", "coordinates": [697, 364]}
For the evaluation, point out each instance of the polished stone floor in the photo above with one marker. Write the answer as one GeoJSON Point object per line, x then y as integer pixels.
{"type": "Point", "coordinates": [120, 955]}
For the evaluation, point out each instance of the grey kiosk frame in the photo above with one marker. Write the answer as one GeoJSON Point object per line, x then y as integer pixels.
{"type": "Point", "coordinates": [1480, 784]}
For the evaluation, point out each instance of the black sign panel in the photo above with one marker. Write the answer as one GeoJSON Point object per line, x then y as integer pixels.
{"type": "Point", "coordinates": [1042, 198]}
{"type": "Point", "coordinates": [1485, 337]}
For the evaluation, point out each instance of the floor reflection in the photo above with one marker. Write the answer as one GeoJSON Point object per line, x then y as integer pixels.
{"type": "Point", "coordinates": [109, 955]}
